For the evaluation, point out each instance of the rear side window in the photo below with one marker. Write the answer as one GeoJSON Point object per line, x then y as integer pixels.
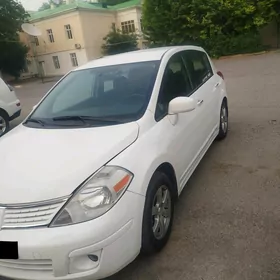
{"type": "Point", "coordinates": [198, 66]}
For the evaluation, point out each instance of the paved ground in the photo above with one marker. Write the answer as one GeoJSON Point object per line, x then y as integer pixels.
{"type": "Point", "coordinates": [227, 224]}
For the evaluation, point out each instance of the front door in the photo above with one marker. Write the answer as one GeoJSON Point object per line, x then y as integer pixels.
{"type": "Point", "coordinates": [204, 84]}
{"type": "Point", "coordinates": [178, 134]}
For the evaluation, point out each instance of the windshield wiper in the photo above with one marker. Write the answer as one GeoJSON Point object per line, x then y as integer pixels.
{"type": "Point", "coordinates": [69, 118]}
{"type": "Point", "coordinates": [86, 118]}
{"type": "Point", "coordinates": [35, 121]}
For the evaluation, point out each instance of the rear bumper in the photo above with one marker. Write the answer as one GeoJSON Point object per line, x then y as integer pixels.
{"type": "Point", "coordinates": [15, 115]}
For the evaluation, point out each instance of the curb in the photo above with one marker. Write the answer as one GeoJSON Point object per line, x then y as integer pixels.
{"type": "Point", "coordinates": [247, 54]}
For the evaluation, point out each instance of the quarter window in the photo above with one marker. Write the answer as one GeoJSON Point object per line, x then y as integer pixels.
{"type": "Point", "coordinates": [199, 67]}
{"type": "Point", "coordinates": [128, 26]}
{"type": "Point", "coordinates": [74, 59]}
{"type": "Point", "coordinates": [50, 34]}
{"type": "Point", "coordinates": [175, 83]}
{"type": "Point", "coordinates": [68, 31]}
{"type": "Point", "coordinates": [56, 62]}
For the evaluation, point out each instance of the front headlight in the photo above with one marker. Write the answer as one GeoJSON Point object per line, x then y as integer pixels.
{"type": "Point", "coordinates": [96, 196]}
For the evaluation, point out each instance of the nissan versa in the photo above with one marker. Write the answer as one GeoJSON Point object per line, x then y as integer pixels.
{"type": "Point", "coordinates": [89, 179]}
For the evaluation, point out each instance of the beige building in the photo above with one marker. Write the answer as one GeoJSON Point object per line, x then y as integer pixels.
{"type": "Point", "coordinates": [72, 34]}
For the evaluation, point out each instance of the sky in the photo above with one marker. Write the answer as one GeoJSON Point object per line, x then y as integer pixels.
{"type": "Point", "coordinates": [32, 5]}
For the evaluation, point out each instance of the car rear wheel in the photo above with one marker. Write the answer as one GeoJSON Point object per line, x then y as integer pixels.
{"type": "Point", "coordinates": [4, 123]}
{"type": "Point", "coordinates": [158, 214]}
{"type": "Point", "coordinates": [223, 131]}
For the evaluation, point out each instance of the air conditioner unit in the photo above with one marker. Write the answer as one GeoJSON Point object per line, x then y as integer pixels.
{"type": "Point", "coordinates": [77, 46]}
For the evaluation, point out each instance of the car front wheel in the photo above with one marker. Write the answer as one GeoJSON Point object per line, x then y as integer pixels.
{"type": "Point", "coordinates": [4, 123]}
{"type": "Point", "coordinates": [158, 214]}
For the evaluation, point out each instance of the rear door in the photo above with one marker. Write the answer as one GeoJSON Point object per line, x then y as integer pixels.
{"type": "Point", "coordinates": [205, 91]}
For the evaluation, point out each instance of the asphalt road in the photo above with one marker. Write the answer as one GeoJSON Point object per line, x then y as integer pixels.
{"type": "Point", "coordinates": [227, 218]}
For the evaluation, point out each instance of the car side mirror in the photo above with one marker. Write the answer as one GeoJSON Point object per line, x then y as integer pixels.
{"type": "Point", "coordinates": [181, 104]}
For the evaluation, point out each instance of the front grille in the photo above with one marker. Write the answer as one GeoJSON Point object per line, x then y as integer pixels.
{"type": "Point", "coordinates": [31, 215]}
{"type": "Point", "coordinates": [28, 265]}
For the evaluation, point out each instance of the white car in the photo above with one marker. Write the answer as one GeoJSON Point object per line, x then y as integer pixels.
{"type": "Point", "coordinates": [90, 178]}
{"type": "Point", "coordinates": [10, 107]}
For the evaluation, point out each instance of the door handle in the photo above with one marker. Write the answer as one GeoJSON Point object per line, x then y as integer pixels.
{"type": "Point", "coordinates": [217, 85]}
{"type": "Point", "coordinates": [200, 102]}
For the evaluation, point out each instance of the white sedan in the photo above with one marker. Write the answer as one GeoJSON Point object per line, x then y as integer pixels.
{"type": "Point", "coordinates": [10, 107]}
{"type": "Point", "coordinates": [90, 178]}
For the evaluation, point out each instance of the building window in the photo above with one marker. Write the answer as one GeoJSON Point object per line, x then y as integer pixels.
{"type": "Point", "coordinates": [36, 40]}
{"type": "Point", "coordinates": [74, 59]}
{"type": "Point", "coordinates": [56, 62]}
{"type": "Point", "coordinates": [68, 31]}
{"type": "Point", "coordinates": [50, 34]}
{"type": "Point", "coordinates": [128, 26]}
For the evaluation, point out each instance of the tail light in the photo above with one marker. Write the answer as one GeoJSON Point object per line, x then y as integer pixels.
{"type": "Point", "coordinates": [221, 74]}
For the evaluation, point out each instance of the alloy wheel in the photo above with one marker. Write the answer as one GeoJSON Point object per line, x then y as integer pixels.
{"type": "Point", "coordinates": [161, 212]}
{"type": "Point", "coordinates": [224, 119]}
{"type": "Point", "coordinates": [3, 126]}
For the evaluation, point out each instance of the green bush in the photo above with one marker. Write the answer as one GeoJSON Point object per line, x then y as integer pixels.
{"type": "Point", "coordinates": [118, 42]}
{"type": "Point", "coordinates": [222, 27]}
{"type": "Point", "coordinates": [222, 45]}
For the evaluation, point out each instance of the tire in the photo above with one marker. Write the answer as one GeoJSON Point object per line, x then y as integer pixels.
{"type": "Point", "coordinates": [223, 130]}
{"type": "Point", "coordinates": [4, 123]}
{"type": "Point", "coordinates": [157, 215]}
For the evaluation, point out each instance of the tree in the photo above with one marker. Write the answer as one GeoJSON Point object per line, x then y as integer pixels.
{"type": "Point", "coordinates": [45, 6]}
{"type": "Point", "coordinates": [118, 42]}
{"type": "Point", "coordinates": [209, 23]}
{"type": "Point", "coordinates": [12, 52]}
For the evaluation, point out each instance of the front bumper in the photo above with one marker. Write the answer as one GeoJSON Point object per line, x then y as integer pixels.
{"type": "Point", "coordinates": [62, 253]}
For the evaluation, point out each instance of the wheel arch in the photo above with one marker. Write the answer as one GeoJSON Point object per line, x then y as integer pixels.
{"type": "Point", "coordinates": [5, 113]}
{"type": "Point", "coordinates": [169, 171]}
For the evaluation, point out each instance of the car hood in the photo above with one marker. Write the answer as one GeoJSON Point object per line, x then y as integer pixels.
{"type": "Point", "coordinates": [43, 164]}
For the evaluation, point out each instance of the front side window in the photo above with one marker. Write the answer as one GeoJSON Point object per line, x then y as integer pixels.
{"type": "Point", "coordinates": [68, 31]}
{"type": "Point", "coordinates": [118, 93]}
{"type": "Point", "coordinates": [199, 67]}
{"type": "Point", "coordinates": [128, 26]}
{"type": "Point", "coordinates": [175, 83]}
{"type": "Point", "coordinates": [56, 62]}
{"type": "Point", "coordinates": [74, 59]}
{"type": "Point", "coordinates": [50, 35]}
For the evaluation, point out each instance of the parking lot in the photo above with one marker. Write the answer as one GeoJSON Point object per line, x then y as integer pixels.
{"type": "Point", "coordinates": [227, 224]}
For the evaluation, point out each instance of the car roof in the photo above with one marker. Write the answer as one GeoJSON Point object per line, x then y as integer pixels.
{"type": "Point", "coordinates": [154, 54]}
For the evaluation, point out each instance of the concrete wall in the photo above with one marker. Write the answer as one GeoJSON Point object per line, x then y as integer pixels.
{"type": "Point", "coordinates": [129, 14]}
{"type": "Point", "coordinates": [132, 14]}
{"type": "Point", "coordinates": [31, 62]}
{"type": "Point", "coordinates": [88, 27]}
{"type": "Point", "coordinates": [269, 35]}
{"type": "Point", "coordinates": [95, 26]}
{"type": "Point", "coordinates": [62, 43]}
{"type": "Point", "coordinates": [64, 61]}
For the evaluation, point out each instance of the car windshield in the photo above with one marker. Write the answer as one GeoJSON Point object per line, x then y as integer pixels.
{"type": "Point", "coordinates": [98, 96]}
